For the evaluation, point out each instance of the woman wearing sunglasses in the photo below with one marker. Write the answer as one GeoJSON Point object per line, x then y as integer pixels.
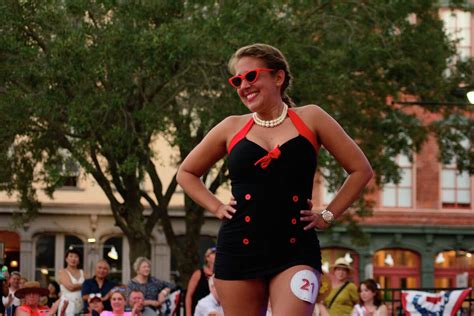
{"type": "Point", "coordinates": [267, 247]}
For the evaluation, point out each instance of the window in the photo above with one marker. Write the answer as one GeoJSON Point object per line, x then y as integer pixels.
{"type": "Point", "coordinates": [454, 268]}
{"type": "Point", "coordinates": [400, 195]}
{"type": "Point", "coordinates": [455, 188]}
{"type": "Point", "coordinates": [44, 261]}
{"type": "Point", "coordinates": [457, 25]}
{"type": "Point", "coordinates": [397, 268]}
{"type": "Point", "coordinates": [455, 185]}
{"type": "Point", "coordinates": [113, 253]}
{"type": "Point", "coordinates": [70, 172]}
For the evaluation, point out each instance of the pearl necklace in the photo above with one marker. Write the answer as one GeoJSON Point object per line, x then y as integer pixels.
{"type": "Point", "coordinates": [271, 123]}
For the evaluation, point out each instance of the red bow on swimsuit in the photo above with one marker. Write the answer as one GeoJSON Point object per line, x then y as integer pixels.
{"type": "Point", "coordinates": [265, 160]}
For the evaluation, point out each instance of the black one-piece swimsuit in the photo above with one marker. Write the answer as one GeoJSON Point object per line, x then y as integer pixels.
{"type": "Point", "coordinates": [265, 236]}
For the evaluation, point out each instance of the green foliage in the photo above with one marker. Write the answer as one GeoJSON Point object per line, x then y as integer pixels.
{"type": "Point", "coordinates": [98, 80]}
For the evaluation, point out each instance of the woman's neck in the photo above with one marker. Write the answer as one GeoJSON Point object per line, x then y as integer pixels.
{"type": "Point", "coordinates": [338, 283]}
{"type": "Point", "coordinates": [141, 278]}
{"type": "Point", "coordinates": [370, 306]}
{"type": "Point", "coordinates": [207, 270]}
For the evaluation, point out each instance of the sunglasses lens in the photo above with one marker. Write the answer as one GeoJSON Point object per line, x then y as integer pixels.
{"type": "Point", "coordinates": [251, 76]}
{"type": "Point", "coordinates": [236, 81]}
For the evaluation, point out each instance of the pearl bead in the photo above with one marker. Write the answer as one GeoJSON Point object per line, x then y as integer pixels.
{"type": "Point", "coordinates": [271, 123]}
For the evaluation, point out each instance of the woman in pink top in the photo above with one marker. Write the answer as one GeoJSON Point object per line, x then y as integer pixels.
{"type": "Point", "coordinates": [118, 302]}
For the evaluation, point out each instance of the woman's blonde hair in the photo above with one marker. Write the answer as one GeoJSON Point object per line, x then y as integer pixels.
{"type": "Point", "coordinates": [138, 262]}
{"type": "Point", "coordinates": [272, 57]}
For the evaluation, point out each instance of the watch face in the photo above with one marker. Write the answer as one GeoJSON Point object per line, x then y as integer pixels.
{"type": "Point", "coordinates": [328, 216]}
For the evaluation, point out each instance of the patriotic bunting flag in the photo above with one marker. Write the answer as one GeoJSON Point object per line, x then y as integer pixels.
{"type": "Point", "coordinates": [171, 305]}
{"type": "Point", "coordinates": [444, 303]}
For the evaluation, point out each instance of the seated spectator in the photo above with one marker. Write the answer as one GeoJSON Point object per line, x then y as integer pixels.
{"type": "Point", "coordinates": [53, 288]}
{"type": "Point", "coordinates": [209, 305]}
{"type": "Point", "coordinates": [136, 300]}
{"type": "Point", "coordinates": [95, 304]}
{"type": "Point", "coordinates": [31, 294]}
{"type": "Point", "coordinates": [370, 302]}
{"type": "Point", "coordinates": [118, 302]}
{"type": "Point", "coordinates": [155, 290]}
{"type": "Point", "coordinates": [10, 301]}
{"type": "Point", "coordinates": [99, 283]}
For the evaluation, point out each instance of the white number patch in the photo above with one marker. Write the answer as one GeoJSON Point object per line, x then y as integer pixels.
{"type": "Point", "coordinates": [304, 284]}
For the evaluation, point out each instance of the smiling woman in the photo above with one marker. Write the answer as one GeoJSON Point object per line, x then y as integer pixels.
{"type": "Point", "coordinates": [272, 160]}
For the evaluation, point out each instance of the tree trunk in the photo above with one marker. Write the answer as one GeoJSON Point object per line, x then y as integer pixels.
{"type": "Point", "coordinates": [190, 250]}
{"type": "Point", "coordinates": [140, 246]}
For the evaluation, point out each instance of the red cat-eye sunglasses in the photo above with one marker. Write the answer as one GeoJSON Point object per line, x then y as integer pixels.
{"type": "Point", "coordinates": [250, 76]}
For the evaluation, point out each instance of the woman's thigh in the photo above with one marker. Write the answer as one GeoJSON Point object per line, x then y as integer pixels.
{"type": "Point", "coordinates": [242, 297]}
{"type": "Point", "coordinates": [294, 291]}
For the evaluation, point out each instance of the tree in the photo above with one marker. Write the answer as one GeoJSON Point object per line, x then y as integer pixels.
{"type": "Point", "coordinates": [99, 80]}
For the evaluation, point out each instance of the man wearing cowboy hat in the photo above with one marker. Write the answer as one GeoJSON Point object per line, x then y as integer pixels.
{"type": "Point", "coordinates": [343, 295]}
{"type": "Point", "coordinates": [31, 292]}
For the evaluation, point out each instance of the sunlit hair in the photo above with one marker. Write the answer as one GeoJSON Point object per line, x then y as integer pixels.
{"type": "Point", "coordinates": [138, 262]}
{"type": "Point", "coordinates": [272, 57]}
{"type": "Point", "coordinates": [102, 261]}
{"type": "Point", "coordinates": [122, 290]}
{"type": "Point", "coordinates": [209, 252]}
{"type": "Point", "coordinates": [372, 286]}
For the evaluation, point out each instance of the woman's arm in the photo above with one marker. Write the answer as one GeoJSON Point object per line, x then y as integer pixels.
{"type": "Point", "coordinates": [349, 156]}
{"type": "Point", "coordinates": [200, 159]}
{"type": "Point", "coordinates": [66, 281]}
{"type": "Point", "coordinates": [192, 284]}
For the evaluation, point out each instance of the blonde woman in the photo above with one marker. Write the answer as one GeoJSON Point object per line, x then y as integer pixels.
{"type": "Point", "coordinates": [155, 290]}
{"type": "Point", "coordinates": [198, 286]}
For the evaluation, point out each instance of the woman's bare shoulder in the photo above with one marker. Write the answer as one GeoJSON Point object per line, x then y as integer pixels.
{"type": "Point", "coordinates": [312, 115]}
{"type": "Point", "coordinates": [232, 124]}
{"type": "Point", "coordinates": [308, 110]}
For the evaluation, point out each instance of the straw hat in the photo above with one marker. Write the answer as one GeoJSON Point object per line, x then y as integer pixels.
{"type": "Point", "coordinates": [342, 263]}
{"type": "Point", "coordinates": [31, 287]}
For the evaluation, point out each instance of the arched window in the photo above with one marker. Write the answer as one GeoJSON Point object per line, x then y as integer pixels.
{"type": "Point", "coordinates": [397, 268]}
{"type": "Point", "coordinates": [329, 256]}
{"type": "Point", "coordinates": [454, 268]}
{"type": "Point", "coordinates": [113, 253]}
{"type": "Point", "coordinates": [10, 250]}
{"type": "Point", "coordinates": [44, 259]}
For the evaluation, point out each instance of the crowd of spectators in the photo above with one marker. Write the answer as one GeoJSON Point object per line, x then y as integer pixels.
{"type": "Point", "coordinates": [77, 294]}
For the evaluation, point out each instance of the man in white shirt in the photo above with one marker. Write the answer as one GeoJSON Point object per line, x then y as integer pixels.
{"type": "Point", "coordinates": [11, 301]}
{"type": "Point", "coordinates": [209, 305]}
